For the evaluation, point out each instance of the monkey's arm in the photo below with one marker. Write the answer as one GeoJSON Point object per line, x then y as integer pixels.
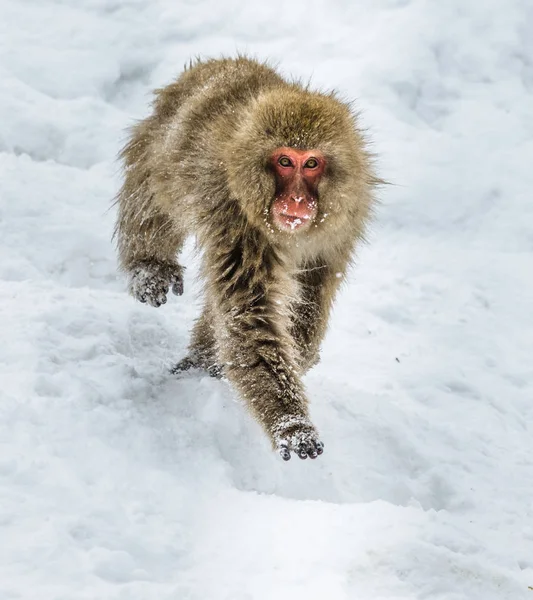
{"type": "Point", "coordinates": [148, 241]}
{"type": "Point", "coordinates": [251, 293]}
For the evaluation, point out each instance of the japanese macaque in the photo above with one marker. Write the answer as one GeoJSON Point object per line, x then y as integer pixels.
{"type": "Point", "coordinates": [275, 183]}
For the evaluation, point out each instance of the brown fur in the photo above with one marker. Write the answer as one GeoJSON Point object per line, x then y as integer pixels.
{"type": "Point", "coordinates": [199, 165]}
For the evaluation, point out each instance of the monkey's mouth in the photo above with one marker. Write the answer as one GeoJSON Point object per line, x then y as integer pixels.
{"type": "Point", "coordinates": [293, 222]}
{"type": "Point", "coordinates": [293, 218]}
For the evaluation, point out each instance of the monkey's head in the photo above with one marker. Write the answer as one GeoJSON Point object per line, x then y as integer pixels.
{"type": "Point", "coordinates": [297, 163]}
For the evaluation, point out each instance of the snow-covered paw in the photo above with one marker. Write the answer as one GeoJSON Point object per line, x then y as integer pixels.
{"type": "Point", "coordinates": [150, 281]}
{"type": "Point", "coordinates": [306, 448]}
{"type": "Point", "coordinates": [301, 438]}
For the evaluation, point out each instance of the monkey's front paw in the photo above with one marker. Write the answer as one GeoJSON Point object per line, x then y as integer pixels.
{"type": "Point", "coordinates": [150, 281]}
{"type": "Point", "coordinates": [301, 438]}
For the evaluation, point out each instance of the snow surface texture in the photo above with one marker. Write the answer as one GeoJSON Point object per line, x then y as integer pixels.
{"type": "Point", "coordinates": [119, 481]}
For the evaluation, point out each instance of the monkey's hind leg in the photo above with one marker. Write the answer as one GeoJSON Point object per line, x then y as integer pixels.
{"type": "Point", "coordinates": [202, 348]}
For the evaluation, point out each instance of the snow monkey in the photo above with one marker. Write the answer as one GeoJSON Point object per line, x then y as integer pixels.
{"type": "Point", "coordinates": [275, 183]}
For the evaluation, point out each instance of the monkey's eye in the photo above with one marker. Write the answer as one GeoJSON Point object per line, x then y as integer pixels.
{"type": "Point", "coordinates": [285, 161]}
{"type": "Point", "coordinates": [312, 163]}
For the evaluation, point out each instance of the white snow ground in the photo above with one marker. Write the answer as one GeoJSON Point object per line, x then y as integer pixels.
{"type": "Point", "coordinates": [118, 481]}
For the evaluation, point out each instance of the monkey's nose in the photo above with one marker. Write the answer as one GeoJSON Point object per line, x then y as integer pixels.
{"type": "Point", "coordinates": [297, 199]}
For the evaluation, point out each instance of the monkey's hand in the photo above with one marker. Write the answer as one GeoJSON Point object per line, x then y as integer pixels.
{"type": "Point", "coordinates": [297, 434]}
{"type": "Point", "coordinates": [150, 281]}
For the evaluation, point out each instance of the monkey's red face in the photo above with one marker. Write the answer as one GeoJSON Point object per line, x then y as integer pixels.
{"type": "Point", "coordinates": [297, 173]}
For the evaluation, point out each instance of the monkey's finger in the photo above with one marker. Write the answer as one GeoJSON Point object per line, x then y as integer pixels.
{"type": "Point", "coordinates": [319, 448]}
{"type": "Point", "coordinates": [302, 452]}
{"type": "Point", "coordinates": [142, 298]}
{"type": "Point", "coordinates": [155, 301]}
{"type": "Point", "coordinates": [285, 453]}
{"type": "Point", "coordinates": [177, 288]}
